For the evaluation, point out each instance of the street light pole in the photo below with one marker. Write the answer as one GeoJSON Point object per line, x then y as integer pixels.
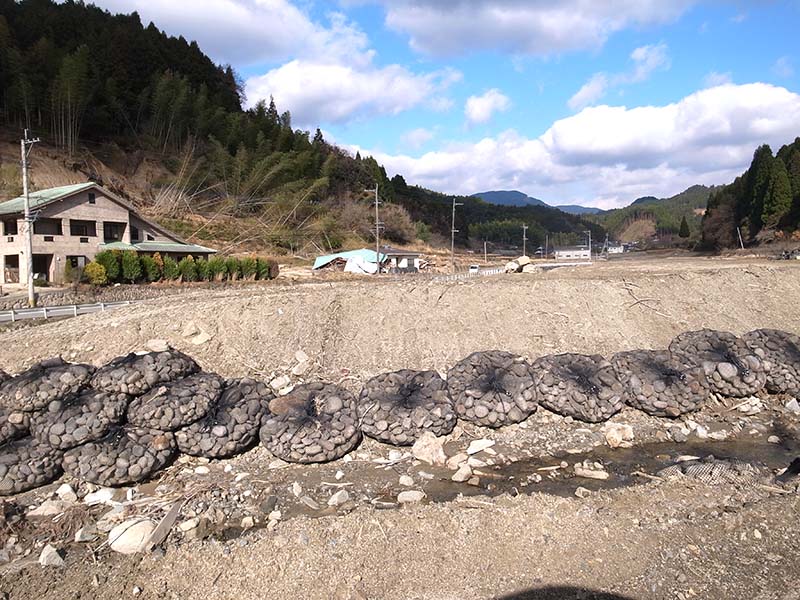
{"type": "Point", "coordinates": [453, 232]}
{"type": "Point", "coordinates": [25, 143]}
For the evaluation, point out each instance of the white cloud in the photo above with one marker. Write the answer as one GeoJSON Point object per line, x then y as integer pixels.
{"type": "Point", "coordinates": [713, 79]}
{"type": "Point", "coordinates": [783, 67]}
{"type": "Point", "coordinates": [646, 60]}
{"type": "Point", "coordinates": [320, 92]}
{"type": "Point", "coordinates": [544, 27]}
{"type": "Point", "coordinates": [416, 138]}
{"type": "Point", "coordinates": [608, 156]}
{"type": "Point", "coordinates": [479, 109]}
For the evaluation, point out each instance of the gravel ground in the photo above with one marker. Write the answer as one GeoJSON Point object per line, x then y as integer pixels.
{"type": "Point", "coordinates": [655, 540]}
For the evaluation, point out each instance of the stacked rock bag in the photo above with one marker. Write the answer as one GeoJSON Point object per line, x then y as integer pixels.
{"type": "Point", "coordinates": [732, 368]}
{"type": "Point", "coordinates": [136, 374]}
{"type": "Point", "coordinates": [232, 423]}
{"type": "Point", "coordinates": [170, 406]}
{"type": "Point", "coordinates": [14, 424]}
{"type": "Point", "coordinates": [124, 455]}
{"type": "Point", "coordinates": [660, 384]}
{"type": "Point", "coordinates": [584, 387]}
{"type": "Point", "coordinates": [493, 388]}
{"type": "Point", "coordinates": [315, 422]}
{"type": "Point", "coordinates": [782, 350]}
{"type": "Point", "coordinates": [398, 407]}
{"type": "Point", "coordinates": [47, 381]}
{"type": "Point", "coordinates": [26, 464]}
{"type": "Point", "coordinates": [78, 419]}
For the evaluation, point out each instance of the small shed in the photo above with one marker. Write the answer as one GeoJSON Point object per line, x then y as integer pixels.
{"type": "Point", "coordinates": [573, 253]}
{"type": "Point", "coordinates": [401, 261]}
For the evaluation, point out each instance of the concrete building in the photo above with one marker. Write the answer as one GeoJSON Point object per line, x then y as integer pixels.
{"type": "Point", "coordinates": [572, 253]}
{"type": "Point", "coordinates": [401, 261]}
{"type": "Point", "coordinates": [73, 223]}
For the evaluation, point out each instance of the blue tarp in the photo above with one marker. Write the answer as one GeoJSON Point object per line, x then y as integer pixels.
{"type": "Point", "coordinates": [364, 254]}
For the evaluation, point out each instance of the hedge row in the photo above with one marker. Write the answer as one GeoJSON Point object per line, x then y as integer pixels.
{"type": "Point", "coordinates": [114, 266]}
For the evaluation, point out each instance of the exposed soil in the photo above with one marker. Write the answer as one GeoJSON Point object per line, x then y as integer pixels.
{"type": "Point", "coordinates": [634, 536]}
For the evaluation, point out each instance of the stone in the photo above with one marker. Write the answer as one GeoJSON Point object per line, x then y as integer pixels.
{"type": "Point", "coordinates": [248, 522]}
{"type": "Point", "coordinates": [131, 536]}
{"type": "Point", "coordinates": [49, 508]}
{"type": "Point", "coordinates": [476, 446]}
{"type": "Point", "coordinates": [463, 474]}
{"type": "Point", "coordinates": [410, 497]}
{"type": "Point", "coordinates": [406, 481]}
{"type": "Point", "coordinates": [50, 557]}
{"type": "Point", "coordinates": [202, 470]}
{"type": "Point", "coordinates": [157, 345]}
{"type": "Point", "coordinates": [619, 435]}
{"type": "Point", "coordinates": [190, 329]}
{"type": "Point", "coordinates": [774, 439]}
{"type": "Point", "coordinates": [582, 492]}
{"type": "Point", "coordinates": [280, 382]}
{"type": "Point", "coordinates": [202, 338]}
{"type": "Point", "coordinates": [512, 267]}
{"type": "Point", "coordinates": [429, 449]}
{"type": "Point", "coordinates": [582, 471]}
{"type": "Point", "coordinates": [87, 533]}
{"type": "Point", "coordinates": [101, 496]}
{"type": "Point", "coordinates": [189, 524]}
{"type": "Point", "coordinates": [455, 461]}
{"type": "Point", "coordinates": [297, 489]}
{"type": "Point", "coordinates": [339, 498]}
{"type": "Point", "coordinates": [793, 406]}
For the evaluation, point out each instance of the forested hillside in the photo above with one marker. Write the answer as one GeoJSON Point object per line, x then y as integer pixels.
{"type": "Point", "coordinates": [80, 77]}
{"type": "Point", "coordinates": [764, 202]}
{"type": "Point", "coordinates": [679, 215]}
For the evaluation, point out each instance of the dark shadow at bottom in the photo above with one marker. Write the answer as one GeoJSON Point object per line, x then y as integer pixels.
{"type": "Point", "coordinates": [562, 593]}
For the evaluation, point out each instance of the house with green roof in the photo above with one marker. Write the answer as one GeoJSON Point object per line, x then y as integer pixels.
{"type": "Point", "coordinates": [75, 222]}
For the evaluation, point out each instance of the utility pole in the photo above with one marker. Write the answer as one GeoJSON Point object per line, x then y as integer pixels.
{"type": "Point", "coordinates": [377, 231]}
{"type": "Point", "coordinates": [546, 240]}
{"type": "Point", "coordinates": [25, 145]}
{"type": "Point", "coordinates": [485, 255]}
{"type": "Point", "coordinates": [741, 242]}
{"type": "Point", "coordinates": [589, 233]}
{"type": "Point", "coordinates": [453, 232]}
{"type": "Point", "coordinates": [524, 238]}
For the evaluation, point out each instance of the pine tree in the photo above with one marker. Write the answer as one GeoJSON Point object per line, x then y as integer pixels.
{"type": "Point", "coordinates": [778, 196]}
{"type": "Point", "coordinates": [684, 229]}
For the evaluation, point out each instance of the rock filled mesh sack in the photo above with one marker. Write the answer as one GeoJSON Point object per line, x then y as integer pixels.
{"type": "Point", "coordinates": [124, 455]}
{"type": "Point", "coordinates": [659, 384]}
{"type": "Point", "coordinates": [732, 368]}
{"type": "Point", "coordinates": [45, 382]}
{"type": "Point", "coordinates": [396, 408]}
{"type": "Point", "coordinates": [493, 388]}
{"type": "Point", "coordinates": [14, 424]}
{"type": "Point", "coordinates": [26, 464]}
{"type": "Point", "coordinates": [584, 387]}
{"type": "Point", "coordinates": [782, 350]}
{"type": "Point", "coordinates": [174, 405]}
{"type": "Point", "coordinates": [315, 422]}
{"type": "Point", "coordinates": [232, 423]}
{"type": "Point", "coordinates": [79, 419]}
{"type": "Point", "coordinates": [136, 374]}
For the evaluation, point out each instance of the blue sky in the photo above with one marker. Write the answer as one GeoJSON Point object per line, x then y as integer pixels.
{"type": "Point", "coordinates": [580, 101]}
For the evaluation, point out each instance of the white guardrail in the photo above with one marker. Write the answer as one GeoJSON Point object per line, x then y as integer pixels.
{"type": "Point", "coordinates": [53, 312]}
{"type": "Point", "coordinates": [468, 275]}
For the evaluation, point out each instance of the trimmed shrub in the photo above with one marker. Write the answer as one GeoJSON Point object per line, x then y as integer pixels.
{"type": "Point", "coordinates": [159, 261]}
{"type": "Point", "coordinates": [267, 268]}
{"type": "Point", "coordinates": [151, 271]}
{"type": "Point", "coordinates": [131, 266]}
{"type": "Point", "coordinates": [233, 268]}
{"type": "Point", "coordinates": [68, 272]}
{"type": "Point", "coordinates": [202, 269]}
{"type": "Point", "coordinates": [171, 272]}
{"type": "Point", "coordinates": [188, 269]}
{"type": "Point", "coordinates": [248, 267]}
{"type": "Point", "coordinates": [95, 273]}
{"type": "Point", "coordinates": [216, 268]}
{"type": "Point", "coordinates": [110, 261]}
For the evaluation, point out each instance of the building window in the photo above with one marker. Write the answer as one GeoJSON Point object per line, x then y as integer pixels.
{"type": "Point", "coordinates": [113, 232]}
{"type": "Point", "coordinates": [82, 228]}
{"type": "Point", "coordinates": [91, 198]}
{"type": "Point", "coordinates": [134, 233]}
{"type": "Point", "coordinates": [48, 238]}
{"type": "Point", "coordinates": [47, 227]}
{"type": "Point", "coordinates": [150, 238]}
{"type": "Point", "coordinates": [77, 262]}
{"type": "Point", "coordinates": [10, 227]}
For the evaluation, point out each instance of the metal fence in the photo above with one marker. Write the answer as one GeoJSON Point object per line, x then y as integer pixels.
{"type": "Point", "coordinates": [54, 312]}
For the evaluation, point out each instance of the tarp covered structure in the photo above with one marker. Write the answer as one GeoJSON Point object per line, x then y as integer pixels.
{"type": "Point", "coordinates": [356, 261]}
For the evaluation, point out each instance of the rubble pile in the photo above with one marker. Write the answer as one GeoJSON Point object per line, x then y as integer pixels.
{"type": "Point", "coordinates": [732, 368]}
{"type": "Point", "coordinates": [125, 455]}
{"type": "Point", "coordinates": [397, 408]}
{"type": "Point", "coordinates": [659, 384]}
{"type": "Point", "coordinates": [492, 388]}
{"type": "Point", "coordinates": [232, 423]}
{"type": "Point", "coordinates": [315, 422]}
{"type": "Point", "coordinates": [579, 386]}
{"type": "Point", "coordinates": [782, 350]}
{"type": "Point", "coordinates": [174, 405]}
{"type": "Point", "coordinates": [136, 374]}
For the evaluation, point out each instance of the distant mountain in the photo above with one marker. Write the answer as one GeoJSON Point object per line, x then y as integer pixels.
{"type": "Point", "coordinates": [645, 200]}
{"type": "Point", "coordinates": [509, 198]}
{"type": "Point", "coordinates": [515, 198]}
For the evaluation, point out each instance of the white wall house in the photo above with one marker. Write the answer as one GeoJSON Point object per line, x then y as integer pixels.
{"type": "Point", "coordinates": [569, 253]}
